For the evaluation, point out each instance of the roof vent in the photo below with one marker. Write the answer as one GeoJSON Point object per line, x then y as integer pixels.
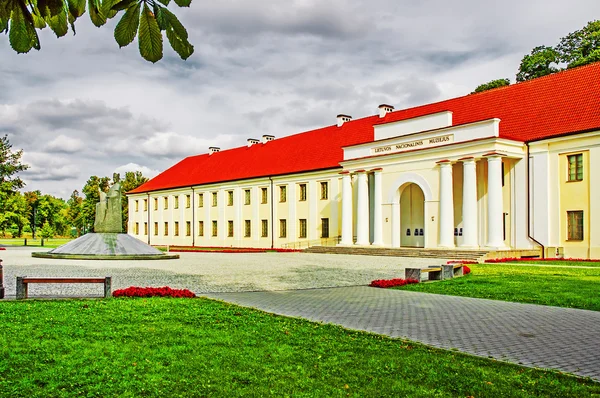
{"type": "Point", "coordinates": [213, 149]}
{"type": "Point", "coordinates": [341, 119]}
{"type": "Point", "coordinates": [384, 109]}
{"type": "Point", "coordinates": [252, 141]}
{"type": "Point", "coordinates": [266, 138]}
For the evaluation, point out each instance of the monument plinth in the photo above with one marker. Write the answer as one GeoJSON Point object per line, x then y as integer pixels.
{"type": "Point", "coordinates": [107, 242]}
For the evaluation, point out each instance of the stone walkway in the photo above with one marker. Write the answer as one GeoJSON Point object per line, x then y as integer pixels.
{"type": "Point", "coordinates": [530, 335]}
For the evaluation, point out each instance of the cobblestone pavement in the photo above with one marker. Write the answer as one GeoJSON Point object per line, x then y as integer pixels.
{"type": "Point", "coordinates": [530, 335]}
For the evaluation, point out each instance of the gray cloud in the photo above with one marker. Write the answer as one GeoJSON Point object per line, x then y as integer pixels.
{"type": "Point", "coordinates": [83, 107]}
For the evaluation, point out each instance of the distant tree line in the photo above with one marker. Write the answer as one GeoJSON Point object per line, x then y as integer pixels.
{"type": "Point", "coordinates": [47, 215]}
{"type": "Point", "coordinates": [579, 48]}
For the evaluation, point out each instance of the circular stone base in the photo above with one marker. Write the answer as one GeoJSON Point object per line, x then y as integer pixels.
{"type": "Point", "coordinates": [106, 246]}
{"type": "Point", "coordinates": [105, 256]}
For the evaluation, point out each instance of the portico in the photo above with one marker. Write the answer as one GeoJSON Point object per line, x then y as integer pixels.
{"type": "Point", "coordinates": [452, 193]}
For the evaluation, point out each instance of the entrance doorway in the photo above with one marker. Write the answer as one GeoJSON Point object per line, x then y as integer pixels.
{"type": "Point", "coordinates": [412, 216]}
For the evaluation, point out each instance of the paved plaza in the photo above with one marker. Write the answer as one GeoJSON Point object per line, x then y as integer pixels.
{"type": "Point", "coordinates": [209, 272]}
{"type": "Point", "coordinates": [326, 288]}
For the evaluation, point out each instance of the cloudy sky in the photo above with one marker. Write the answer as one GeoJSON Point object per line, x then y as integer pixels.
{"type": "Point", "coordinates": [81, 106]}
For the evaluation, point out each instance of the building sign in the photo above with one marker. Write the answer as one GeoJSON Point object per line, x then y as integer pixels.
{"type": "Point", "coordinates": [418, 144]}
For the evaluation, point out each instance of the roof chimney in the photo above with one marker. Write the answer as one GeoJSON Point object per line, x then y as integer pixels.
{"type": "Point", "coordinates": [213, 149]}
{"type": "Point", "coordinates": [385, 109]}
{"type": "Point", "coordinates": [266, 138]}
{"type": "Point", "coordinates": [341, 119]}
{"type": "Point", "coordinates": [252, 141]}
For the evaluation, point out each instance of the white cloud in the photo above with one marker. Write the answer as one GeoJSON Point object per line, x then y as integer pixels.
{"type": "Point", "coordinates": [65, 144]}
{"type": "Point", "coordinates": [146, 171]}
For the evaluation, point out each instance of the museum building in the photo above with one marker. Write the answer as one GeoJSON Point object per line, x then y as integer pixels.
{"type": "Point", "coordinates": [513, 168]}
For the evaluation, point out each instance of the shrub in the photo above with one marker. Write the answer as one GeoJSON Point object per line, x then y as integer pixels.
{"type": "Point", "coordinates": [514, 260]}
{"type": "Point", "coordinates": [384, 283]}
{"type": "Point", "coordinates": [466, 270]}
{"type": "Point", "coordinates": [164, 291]}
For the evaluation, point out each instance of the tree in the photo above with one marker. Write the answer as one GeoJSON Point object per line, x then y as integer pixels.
{"type": "Point", "coordinates": [12, 209]}
{"type": "Point", "coordinates": [541, 62]}
{"type": "Point", "coordinates": [146, 19]}
{"type": "Point", "coordinates": [47, 231]}
{"type": "Point", "coordinates": [51, 210]}
{"type": "Point", "coordinates": [582, 46]}
{"type": "Point", "coordinates": [74, 213]}
{"type": "Point", "coordinates": [132, 181]}
{"type": "Point", "coordinates": [492, 84]}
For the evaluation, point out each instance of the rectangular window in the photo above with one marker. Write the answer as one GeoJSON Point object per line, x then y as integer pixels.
{"type": "Point", "coordinates": [166, 199]}
{"type": "Point", "coordinates": [302, 192]}
{"type": "Point", "coordinates": [155, 203]}
{"type": "Point", "coordinates": [214, 228]}
{"type": "Point", "coordinates": [324, 190]}
{"type": "Point", "coordinates": [263, 192]}
{"type": "Point", "coordinates": [155, 229]}
{"type": "Point", "coordinates": [229, 198]}
{"type": "Point", "coordinates": [282, 193]}
{"type": "Point", "coordinates": [230, 229]}
{"type": "Point", "coordinates": [188, 228]}
{"type": "Point", "coordinates": [188, 201]}
{"type": "Point", "coordinates": [176, 201]}
{"type": "Point", "coordinates": [575, 167]}
{"type": "Point", "coordinates": [145, 204]}
{"type": "Point", "coordinates": [200, 228]}
{"type": "Point", "coordinates": [302, 225]}
{"type": "Point", "coordinates": [137, 205]}
{"type": "Point", "coordinates": [264, 228]}
{"type": "Point", "coordinates": [200, 200]}
{"type": "Point", "coordinates": [324, 227]}
{"type": "Point", "coordinates": [247, 197]}
{"type": "Point", "coordinates": [282, 228]}
{"type": "Point", "coordinates": [214, 196]}
{"type": "Point", "coordinates": [575, 225]}
{"type": "Point", "coordinates": [166, 229]}
{"type": "Point", "coordinates": [137, 228]}
{"type": "Point", "coordinates": [247, 228]}
{"type": "Point", "coordinates": [145, 228]}
{"type": "Point", "coordinates": [176, 228]}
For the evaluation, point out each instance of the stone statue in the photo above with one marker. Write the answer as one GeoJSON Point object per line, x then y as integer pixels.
{"type": "Point", "coordinates": [109, 211]}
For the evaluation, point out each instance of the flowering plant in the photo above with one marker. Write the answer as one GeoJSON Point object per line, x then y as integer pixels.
{"type": "Point", "coordinates": [384, 283]}
{"type": "Point", "coordinates": [466, 270]}
{"type": "Point", "coordinates": [164, 291]}
{"type": "Point", "coordinates": [461, 262]}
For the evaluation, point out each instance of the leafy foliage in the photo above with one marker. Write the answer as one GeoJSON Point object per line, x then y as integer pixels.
{"type": "Point", "coordinates": [12, 204]}
{"type": "Point", "coordinates": [582, 46]}
{"type": "Point", "coordinates": [492, 84]}
{"type": "Point", "coordinates": [22, 18]}
{"type": "Point", "coordinates": [541, 62]}
{"type": "Point", "coordinates": [47, 231]}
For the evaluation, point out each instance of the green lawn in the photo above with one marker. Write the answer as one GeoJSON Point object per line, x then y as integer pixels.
{"type": "Point", "coordinates": [196, 347]}
{"type": "Point", "coordinates": [557, 286]}
{"type": "Point", "coordinates": [565, 263]}
{"type": "Point", "coordinates": [51, 243]}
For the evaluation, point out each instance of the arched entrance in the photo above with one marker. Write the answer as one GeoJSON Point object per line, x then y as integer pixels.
{"type": "Point", "coordinates": [420, 197]}
{"type": "Point", "coordinates": [412, 216]}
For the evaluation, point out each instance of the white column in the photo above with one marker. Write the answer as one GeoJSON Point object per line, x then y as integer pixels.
{"type": "Point", "coordinates": [396, 224]}
{"type": "Point", "coordinates": [362, 209]}
{"type": "Point", "coordinates": [377, 210]}
{"type": "Point", "coordinates": [446, 206]}
{"type": "Point", "coordinates": [347, 238]}
{"type": "Point", "coordinates": [495, 205]}
{"type": "Point", "coordinates": [469, 204]}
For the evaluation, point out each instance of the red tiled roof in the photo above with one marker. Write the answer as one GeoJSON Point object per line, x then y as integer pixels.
{"type": "Point", "coordinates": [549, 106]}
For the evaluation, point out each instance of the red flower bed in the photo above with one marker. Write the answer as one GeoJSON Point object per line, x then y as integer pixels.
{"type": "Point", "coordinates": [164, 291]}
{"type": "Point", "coordinates": [466, 269]}
{"type": "Point", "coordinates": [392, 282]}
{"type": "Point", "coordinates": [2, 248]}
{"type": "Point", "coordinates": [514, 260]}
{"type": "Point", "coordinates": [218, 249]}
{"type": "Point", "coordinates": [461, 262]}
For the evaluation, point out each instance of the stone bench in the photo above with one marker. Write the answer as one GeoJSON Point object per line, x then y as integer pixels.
{"type": "Point", "coordinates": [436, 272]}
{"type": "Point", "coordinates": [23, 282]}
